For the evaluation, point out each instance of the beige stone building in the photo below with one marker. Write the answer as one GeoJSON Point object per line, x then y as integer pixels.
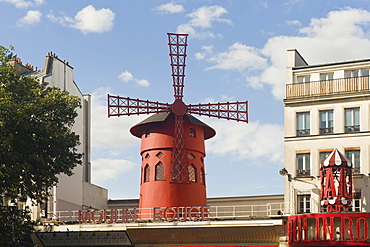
{"type": "Point", "coordinates": [326, 106]}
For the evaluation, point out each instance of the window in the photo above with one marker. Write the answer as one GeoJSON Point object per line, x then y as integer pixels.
{"type": "Point", "coordinates": [147, 173]}
{"type": "Point", "coordinates": [159, 154]}
{"type": "Point", "coordinates": [356, 202]}
{"type": "Point", "coordinates": [303, 203]}
{"type": "Point", "coordinates": [352, 120]}
{"type": "Point", "coordinates": [326, 76]}
{"type": "Point", "coordinates": [353, 155]}
{"type": "Point", "coordinates": [202, 177]}
{"type": "Point", "coordinates": [147, 132]}
{"type": "Point", "coordinates": [191, 156]}
{"type": "Point", "coordinates": [323, 154]}
{"type": "Point", "coordinates": [176, 172]}
{"type": "Point", "coordinates": [192, 132]}
{"type": "Point", "coordinates": [326, 122]}
{"type": "Point", "coordinates": [303, 164]}
{"type": "Point", "coordinates": [365, 72]}
{"type": "Point", "coordinates": [303, 124]}
{"type": "Point", "coordinates": [192, 173]}
{"type": "Point", "coordinates": [303, 79]}
{"type": "Point", "coordinates": [159, 171]}
{"type": "Point", "coordinates": [351, 73]}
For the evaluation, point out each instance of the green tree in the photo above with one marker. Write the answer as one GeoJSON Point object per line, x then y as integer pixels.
{"type": "Point", "coordinates": [36, 140]}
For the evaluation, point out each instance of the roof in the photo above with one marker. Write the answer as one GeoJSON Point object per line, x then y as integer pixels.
{"type": "Point", "coordinates": [331, 64]}
{"type": "Point", "coordinates": [137, 129]}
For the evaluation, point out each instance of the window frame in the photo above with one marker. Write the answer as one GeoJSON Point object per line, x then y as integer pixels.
{"type": "Point", "coordinates": [146, 173]}
{"type": "Point", "coordinates": [327, 76]}
{"type": "Point", "coordinates": [304, 172]}
{"type": "Point", "coordinates": [355, 158]}
{"type": "Point", "coordinates": [327, 129]}
{"type": "Point", "coordinates": [192, 173]}
{"type": "Point", "coordinates": [305, 201]}
{"type": "Point", "coordinates": [356, 205]}
{"type": "Point", "coordinates": [158, 172]}
{"type": "Point", "coordinates": [306, 120]}
{"type": "Point", "coordinates": [353, 126]}
{"type": "Point", "coordinates": [354, 73]}
{"type": "Point", "coordinates": [303, 79]}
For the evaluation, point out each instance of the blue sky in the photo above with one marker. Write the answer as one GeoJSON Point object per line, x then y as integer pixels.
{"type": "Point", "coordinates": [237, 52]}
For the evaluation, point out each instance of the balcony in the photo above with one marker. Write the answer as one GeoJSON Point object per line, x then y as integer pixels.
{"type": "Point", "coordinates": [326, 131]}
{"type": "Point", "coordinates": [352, 129]}
{"type": "Point", "coordinates": [328, 88]}
{"type": "Point", "coordinates": [303, 132]}
{"type": "Point", "coordinates": [303, 173]}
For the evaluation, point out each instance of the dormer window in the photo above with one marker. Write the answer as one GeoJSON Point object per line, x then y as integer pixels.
{"type": "Point", "coordinates": [147, 132]}
{"type": "Point", "coordinates": [193, 132]}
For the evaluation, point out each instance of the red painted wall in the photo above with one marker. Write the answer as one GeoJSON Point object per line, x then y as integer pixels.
{"type": "Point", "coordinates": [164, 193]}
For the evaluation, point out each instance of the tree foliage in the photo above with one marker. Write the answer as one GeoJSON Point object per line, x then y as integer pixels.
{"type": "Point", "coordinates": [36, 140]}
{"type": "Point", "coordinates": [36, 143]}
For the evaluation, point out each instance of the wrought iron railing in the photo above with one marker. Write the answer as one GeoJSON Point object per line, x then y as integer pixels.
{"type": "Point", "coordinates": [303, 173]}
{"type": "Point", "coordinates": [352, 129]}
{"type": "Point", "coordinates": [326, 131]}
{"type": "Point", "coordinates": [235, 212]}
{"type": "Point", "coordinates": [329, 87]}
{"type": "Point", "coordinates": [303, 132]}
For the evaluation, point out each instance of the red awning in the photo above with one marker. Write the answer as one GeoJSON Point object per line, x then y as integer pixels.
{"type": "Point", "coordinates": [336, 158]}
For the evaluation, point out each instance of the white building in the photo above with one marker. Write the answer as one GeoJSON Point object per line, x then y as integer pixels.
{"type": "Point", "coordinates": [326, 106]}
{"type": "Point", "coordinates": [74, 192]}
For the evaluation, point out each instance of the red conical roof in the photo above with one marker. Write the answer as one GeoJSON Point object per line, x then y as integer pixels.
{"type": "Point", "coordinates": [336, 158]}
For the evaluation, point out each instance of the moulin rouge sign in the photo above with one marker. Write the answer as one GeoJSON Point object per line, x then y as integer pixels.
{"type": "Point", "coordinates": [328, 229]}
{"type": "Point", "coordinates": [194, 213]}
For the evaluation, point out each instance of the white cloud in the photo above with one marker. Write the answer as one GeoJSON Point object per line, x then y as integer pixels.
{"type": "Point", "coordinates": [239, 57]}
{"type": "Point", "coordinates": [24, 4]}
{"type": "Point", "coordinates": [108, 169]}
{"type": "Point", "coordinates": [227, 98]}
{"type": "Point", "coordinates": [252, 141]}
{"type": "Point", "coordinates": [143, 83]}
{"type": "Point", "coordinates": [63, 20]}
{"type": "Point", "coordinates": [294, 22]}
{"type": "Point", "coordinates": [33, 17]}
{"type": "Point", "coordinates": [170, 8]}
{"type": "Point", "coordinates": [324, 40]}
{"type": "Point", "coordinates": [203, 18]}
{"type": "Point", "coordinates": [88, 20]}
{"type": "Point", "coordinates": [111, 133]}
{"type": "Point", "coordinates": [91, 20]}
{"type": "Point", "coordinates": [127, 77]}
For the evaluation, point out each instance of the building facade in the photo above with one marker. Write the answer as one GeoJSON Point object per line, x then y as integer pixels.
{"type": "Point", "coordinates": [326, 106]}
{"type": "Point", "coordinates": [59, 73]}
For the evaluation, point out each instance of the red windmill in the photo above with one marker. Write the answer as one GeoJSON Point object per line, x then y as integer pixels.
{"type": "Point", "coordinates": [172, 140]}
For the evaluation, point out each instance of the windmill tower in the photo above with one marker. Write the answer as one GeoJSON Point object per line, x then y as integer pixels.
{"type": "Point", "coordinates": [172, 140]}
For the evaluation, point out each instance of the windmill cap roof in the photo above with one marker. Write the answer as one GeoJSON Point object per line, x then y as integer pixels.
{"type": "Point", "coordinates": [137, 129]}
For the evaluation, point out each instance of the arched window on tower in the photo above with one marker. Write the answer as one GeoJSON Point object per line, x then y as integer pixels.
{"type": "Point", "coordinates": [202, 177]}
{"type": "Point", "coordinates": [192, 173]}
{"type": "Point", "coordinates": [147, 173]}
{"type": "Point", "coordinates": [159, 171]}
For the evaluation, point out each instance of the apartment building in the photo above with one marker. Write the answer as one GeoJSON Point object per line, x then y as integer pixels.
{"type": "Point", "coordinates": [72, 192]}
{"type": "Point", "coordinates": [326, 106]}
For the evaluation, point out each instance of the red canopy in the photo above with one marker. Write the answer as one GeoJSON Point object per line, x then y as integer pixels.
{"type": "Point", "coordinates": [336, 158]}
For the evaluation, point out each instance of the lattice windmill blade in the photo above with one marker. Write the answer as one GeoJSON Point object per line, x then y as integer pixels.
{"type": "Point", "coordinates": [237, 111]}
{"type": "Point", "coordinates": [121, 106]}
{"type": "Point", "coordinates": [177, 45]}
